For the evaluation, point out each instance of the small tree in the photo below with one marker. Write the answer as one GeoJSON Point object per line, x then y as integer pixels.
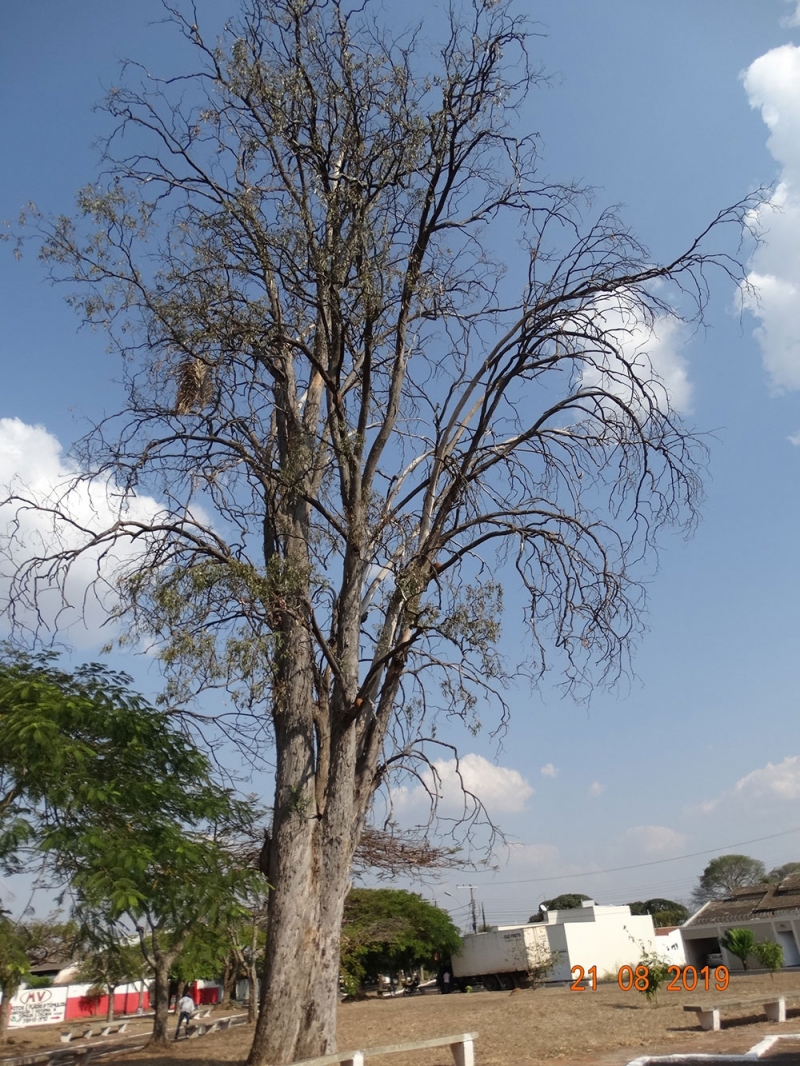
{"type": "Point", "coordinates": [657, 974]}
{"type": "Point", "coordinates": [739, 942]}
{"type": "Point", "coordinates": [124, 805]}
{"type": "Point", "coordinates": [769, 955]}
{"type": "Point", "coordinates": [545, 963]}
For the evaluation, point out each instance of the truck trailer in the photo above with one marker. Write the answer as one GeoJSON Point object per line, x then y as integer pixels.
{"type": "Point", "coordinates": [502, 958]}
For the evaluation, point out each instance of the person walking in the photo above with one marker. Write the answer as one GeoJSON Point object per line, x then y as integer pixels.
{"type": "Point", "coordinates": [184, 1010]}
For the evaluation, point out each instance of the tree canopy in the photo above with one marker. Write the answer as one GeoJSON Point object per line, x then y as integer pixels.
{"type": "Point", "coordinates": [779, 872]}
{"type": "Point", "coordinates": [386, 930]}
{"type": "Point", "coordinates": [565, 902]}
{"type": "Point", "coordinates": [122, 805]}
{"type": "Point", "coordinates": [726, 873]}
{"type": "Point", "coordinates": [356, 406]}
{"type": "Point", "coordinates": [663, 911]}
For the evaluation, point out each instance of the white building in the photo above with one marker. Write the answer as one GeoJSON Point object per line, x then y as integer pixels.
{"type": "Point", "coordinates": [605, 937]}
{"type": "Point", "coordinates": [772, 912]}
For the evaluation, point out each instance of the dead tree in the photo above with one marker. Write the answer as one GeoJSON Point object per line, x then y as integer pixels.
{"type": "Point", "coordinates": [377, 366]}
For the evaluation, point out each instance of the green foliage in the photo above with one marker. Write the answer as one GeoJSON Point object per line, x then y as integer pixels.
{"type": "Point", "coordinates": [657, 974]}
{"type": "Point", "coordinates": [769, 955]}
{"type": "Point", "coordinates": [567, 901]}
{"type": "Point", "coordinates": [726, 873]}
{"type": "Point", "coordinates": [120, 800]}
{"type": "Point", "coordinates": [739, 942]}
{"type": "Point", "coordinates": [779, 872]}
{"type": "Point", "coordinates": [14, 967]}
{"type": "Point", "coordinates": [385, 930]}
{"type": "Point", "coordinates": [544, 966]}
{"type": "Point", "coordinates": [663, 911]}
{"type": "Point", "coordinates": [126, 809]}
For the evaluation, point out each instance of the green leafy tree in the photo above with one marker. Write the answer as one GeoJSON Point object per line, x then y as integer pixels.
{"type": "Point", "coordinates": [726, 873]}
{"type": "Point", "coordinates": [386, 930]}
{"type": "Point", "coordinates": [739, 942]}
{"type": "Point", "coordinates": [565, 902]}
{"type": "Point", "coordinates": [769, 955]}
{"type": "Point", "coordinates": [663, 911]}
{"type": "Point", "coordinates": [352, 409]}
{"type": "Point", "coordinates": [779, 872]}
{"type": "Point", "coordinates": [14, 968]}
{"type": "Point", "coordinates": [124, 805]}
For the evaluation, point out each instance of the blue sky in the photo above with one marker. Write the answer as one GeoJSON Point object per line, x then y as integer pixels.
{"type": "Point", "coordinates": [674, 111]}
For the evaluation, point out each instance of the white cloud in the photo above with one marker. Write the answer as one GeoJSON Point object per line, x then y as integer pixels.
{"type": "Point", "coordinates": [794, 18]}
{"type": "Point", "coordinates": [772, 83]}
{"type": "Point", "coordinates": [596, 789]}
{"type": "Point", "coordinates": [794, 438]}
{"type": "Point", "coordinates": [548, 770]}
{"type": "Point", "coordinates": [656, 839]}
{"type": "Point", "coordinates": [32, 464]}
{"type": "Point", "coordinates": [651, 354]}
{"type": "Point", "coordinates": [543, 859]}
{"type": "Point", "coordinates": [775, 781]}
{"type": "Point", "coordinates": [499, 788]}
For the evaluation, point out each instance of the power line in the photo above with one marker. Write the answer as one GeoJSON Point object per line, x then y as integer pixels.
{"type": "Point", "coordinates": [639, 865]}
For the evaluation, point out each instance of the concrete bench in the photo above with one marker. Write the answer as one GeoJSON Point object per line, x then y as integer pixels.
{"type": "Point", "coordinates": [462, 1046]}
{"type": "Point", "coordinates": [709, 1016]}
{"type": "Point", "coordinates": [107, 1030]}
{"type": "Point", "coordinates": [216, 1026]}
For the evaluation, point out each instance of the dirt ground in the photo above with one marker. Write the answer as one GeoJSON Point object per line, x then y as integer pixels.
{"type": "Point", "coordinates": [524, 1028]}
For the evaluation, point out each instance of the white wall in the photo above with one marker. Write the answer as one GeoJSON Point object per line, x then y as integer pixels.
{"type": "Point", "coordinates": [613, 939]}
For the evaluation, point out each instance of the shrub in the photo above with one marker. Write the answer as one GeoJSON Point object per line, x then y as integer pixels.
{"type": "Point", "coordinates": [769, 955]}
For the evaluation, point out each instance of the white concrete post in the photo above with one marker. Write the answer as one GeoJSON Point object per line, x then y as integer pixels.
{"type": "Point", "coordinates": [776, 1011]}
{"type": "Point", "coordinates": [709, 1019]}
{"type": "Point", "coordinates": [357, 1059]}
{"type": "Point", "coordinates": [463, 1052]}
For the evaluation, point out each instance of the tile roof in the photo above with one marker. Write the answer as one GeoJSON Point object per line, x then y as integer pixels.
{"type": "Point", "coordinates": [750, 903]}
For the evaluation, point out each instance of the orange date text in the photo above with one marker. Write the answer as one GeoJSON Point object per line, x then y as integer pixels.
{"type": "Point", "coordinates": [639, 978]}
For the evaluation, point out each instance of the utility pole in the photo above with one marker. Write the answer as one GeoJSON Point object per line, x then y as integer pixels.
{"type": "Point", "coordinates": [473, 909]}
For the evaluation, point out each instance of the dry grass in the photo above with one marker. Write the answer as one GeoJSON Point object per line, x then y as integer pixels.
{"type": "Point", "coordinates": [607, 1027]}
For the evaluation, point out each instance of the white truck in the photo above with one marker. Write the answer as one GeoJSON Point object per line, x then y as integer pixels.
{"type": "Point", "coordinates": [502, 958]}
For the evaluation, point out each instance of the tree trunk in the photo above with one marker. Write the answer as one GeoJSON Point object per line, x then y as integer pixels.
{"type": "Point", "coordinates": [229, 976]}
{"type": "Point", "coordinates": [141, 997]}
{"type": "Point", "coordinates": [252, 974]}
{"type": "Point", "coordinates": [314, 833]}
{"type": "Point", "coordinates": [110, 1011]}
{"type": "Point", "coordinates": [161, 1021]}
{"type": "Point", "coordinates": [5, 1014]}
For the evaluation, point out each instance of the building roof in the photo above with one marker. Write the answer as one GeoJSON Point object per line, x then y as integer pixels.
{"type": "Point", "coordinates": [751, 903]}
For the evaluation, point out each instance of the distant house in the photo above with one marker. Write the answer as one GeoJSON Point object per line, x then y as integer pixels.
{"type": "Point", "coordinates": [772, 912]}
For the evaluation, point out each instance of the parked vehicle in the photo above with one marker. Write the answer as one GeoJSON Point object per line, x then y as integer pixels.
{"type": "Point", "coordinates": [501, 958]}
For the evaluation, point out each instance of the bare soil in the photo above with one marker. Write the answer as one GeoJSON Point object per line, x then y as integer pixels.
{"type": "Point", "coordinates": [608, 1027]}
